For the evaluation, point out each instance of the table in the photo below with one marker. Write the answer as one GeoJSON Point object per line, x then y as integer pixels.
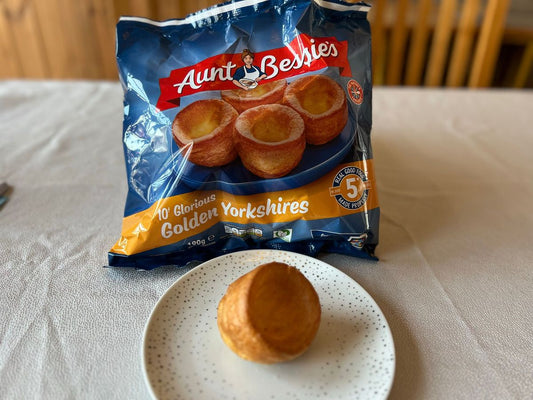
{"type": "Point", "coordinates": [454, 280]}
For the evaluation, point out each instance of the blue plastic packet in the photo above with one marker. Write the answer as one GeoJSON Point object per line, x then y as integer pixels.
{"type": "Point", "coordinates": [247, 125]}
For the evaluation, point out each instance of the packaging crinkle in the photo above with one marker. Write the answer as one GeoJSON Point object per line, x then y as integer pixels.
{"type": "Point", "coordinates": [247, 125]}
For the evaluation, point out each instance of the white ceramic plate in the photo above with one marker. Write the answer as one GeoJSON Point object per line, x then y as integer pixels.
{"type": "Point", "coordinates": [184, 357]}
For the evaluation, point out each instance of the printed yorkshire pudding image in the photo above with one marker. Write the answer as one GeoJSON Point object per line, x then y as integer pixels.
{"type": "Point", "coordinates": [269, 315]}
{"type": "Point", "coordinates": [321, 102]}
{"type": "Point", "coordinates": [264, 93]}
{"type": "Point", "coordinates": [207, 125]}
{"type": "Point", "coordinates": [270, 140]}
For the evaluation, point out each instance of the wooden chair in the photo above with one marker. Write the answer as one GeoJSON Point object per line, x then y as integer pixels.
{"type": "Point", "coordinates": [444, 46]}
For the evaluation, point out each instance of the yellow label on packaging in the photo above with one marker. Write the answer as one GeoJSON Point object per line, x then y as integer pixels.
{"type": "Point", "coordinates": [348, 189]}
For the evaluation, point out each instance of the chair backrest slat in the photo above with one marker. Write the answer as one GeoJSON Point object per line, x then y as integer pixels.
{"type": "Point", "coordinates": [440, 43]}
{"type": "Point", "coordinates": [418, 47]}
{"type": "Point", "coordinates": [462, 47]}
{"type": "Point", "coordinates": [398, 44]}
{"type": "Point", "coordinates": [377, 20]}
{"type": "Point", "coordinates": [489, 42]}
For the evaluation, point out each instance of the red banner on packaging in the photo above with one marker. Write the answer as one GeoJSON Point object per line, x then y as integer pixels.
{"type": "Point", "coordinates": [303, 54]}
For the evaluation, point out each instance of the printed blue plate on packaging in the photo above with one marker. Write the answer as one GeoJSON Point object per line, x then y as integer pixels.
{"type": "Point", "coordinates": [234, 178]}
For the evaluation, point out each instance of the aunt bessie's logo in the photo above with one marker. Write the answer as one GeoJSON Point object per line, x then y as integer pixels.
{"type": "Point", "coordinates": [303, 54]}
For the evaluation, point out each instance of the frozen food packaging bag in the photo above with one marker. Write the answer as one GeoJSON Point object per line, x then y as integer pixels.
{"type": "Point", "coordinates": [247, 125]}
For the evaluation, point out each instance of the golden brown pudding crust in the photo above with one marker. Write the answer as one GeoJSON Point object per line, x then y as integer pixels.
{"type": "Point", "coordinates": [321, 102]}
{"type": "Point", "coordinates": [271, 314]}
{"type": "Point", "coordinates": [205, 128]}
{"type": "Point", "coordinates": [264, 93]}
{"type": "Point", "coordinates": [270, 140]}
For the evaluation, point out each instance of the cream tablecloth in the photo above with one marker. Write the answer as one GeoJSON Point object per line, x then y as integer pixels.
{"type": "Point", "coordinates": [454, 280]}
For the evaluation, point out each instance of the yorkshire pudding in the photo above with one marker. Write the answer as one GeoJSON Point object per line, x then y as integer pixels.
{"type": "Point", "coordinates": [264, 93]}
{"type": "Point", "coordinates": [206, 126]}
{"type": "Point", "coordinates": [270, 140]}
{"type": "Point", "coordinates": [321, 102]}
{"type": "Point", "coordinates": [271, 314]}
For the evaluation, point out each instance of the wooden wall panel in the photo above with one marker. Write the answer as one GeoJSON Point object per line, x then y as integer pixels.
{"type": "Point", "coordinates": [25, 38]}
{"type": "Point", "coordinates": [54, 38]}
{"type": "Point", "coordinates": [141, 8]}
{"type": "Point", "coordinates": [75, 39]}
{"type": "Point", "coordinates": [103, 19]}
{"type": "Point", "coordinates": [80, 40]}
{"type": "Point", "coordinates": [168, 9]}
{"type": "Point", "coordinates": [10, 65]}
